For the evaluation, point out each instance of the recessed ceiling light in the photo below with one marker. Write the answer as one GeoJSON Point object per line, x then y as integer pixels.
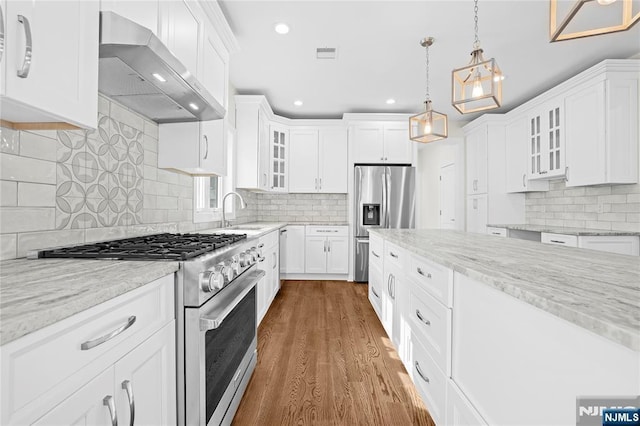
{"type": "Point", "coordinates": [159, 77]}
{"type": "Point", "coordinates": [297, 103]}
{"type": "Point", "coordinates": [282, 28]}
{"type": "Point", "coordinates": [193, 106]}
{"type": "Point", "coordinates": [391, 101]}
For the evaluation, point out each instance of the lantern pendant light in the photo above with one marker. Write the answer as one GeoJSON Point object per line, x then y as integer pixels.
{"type": "Point", "coordinates": [477, 86]}
{"type": "Point", "coordinates": [430, 125]}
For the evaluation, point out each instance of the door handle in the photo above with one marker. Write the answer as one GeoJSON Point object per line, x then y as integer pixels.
{"type": "Point", "coordinates": [421, 318]}
{"type": "Point", "coordinates": [108, 402]}
{"type": "Point", "coordinates": [524, 182]}
{"type": "Point", "coordinates": [320, 184]}
{"type": "Point", "coordinates": [425, 378]}
{"type": "Point", "coordinates": [1, 34]}
{"type": "Point", "coordinates": [421, 272]}
{"type": "Point", "coordinates": [28, 48]}
{"type": "Point", "coordinates": [375, 254]}
{"type": "Point", "coordinates": [329, 246]}
{"type": "Point", "coordinates": [206, 146]}
{"type": "Point", "coordinates": [126, 385]}
{"type": "Point", "coordinates": [566, 174]}
{"type": "Point", "coordinates": [102, 339]}
{"type": "Point", "coordinates": [373, 290]}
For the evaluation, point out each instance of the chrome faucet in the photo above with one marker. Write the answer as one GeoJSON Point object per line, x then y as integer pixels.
{"type": "Point", "coordinates": [225, 222]}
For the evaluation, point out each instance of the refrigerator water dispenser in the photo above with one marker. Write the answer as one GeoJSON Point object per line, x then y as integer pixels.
{"type": "Point", "coordinates": [371, 214]}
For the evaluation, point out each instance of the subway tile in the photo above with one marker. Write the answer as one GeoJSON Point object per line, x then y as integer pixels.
{"type": "Point", "coordinates": [149, 143]}
{"type": "Point", "coordinates": [125, 116]}
{"type": "Point", "coordinates": [633, 198]}
{"type": "Point", "coordinates": [633, 217]}
{"type": "Point", "coordinates": [593, 224]}
{"type": "Point", "coordinates": [40, 240]}
{"type": "Point", "coordinates": [625, 226]}
{"type": "Point", "coordinates": [612, 217]}
{"type": "Point", "coordinates": [8, 193]}
{"type": "Point", "coordinates": [166, 203]}
{"type": "Point", "coordinates": [151, 129]}
{"type": "Point", "coordinates": [36, 146]}
{"type": "Point", "coordinates": [598, 190]}
{"type": "Point", "coordinates": [626, 189]}
{"type": "Point", "coordinates": [23, 169]}
{"type": "Point", "coordinates": [8, 246]}
{"type": "Point", "coordinates": [103, 105]}
{"type": "Point", "coordinates": [21, 219]}
{"type": "Point", "coordinates": [626, 208]}
{"type": "Point", "coordinates": [574, 192]}
{"type": "Point", "coordinates": [105, 234]}
{"type": "Point", "coordinates": [9, 141]}
{"type": "Point", "coordinates": [619, 198]}
{"type": "Point", "coordinates": [36, 195]}
{"type": "Point", "coordinates": [151, 159]}
{"type": "Point", "coordinates": [168, 177]}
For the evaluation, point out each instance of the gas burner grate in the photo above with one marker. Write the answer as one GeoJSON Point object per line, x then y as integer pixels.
{"type": "Point", "coordinates": [167, 246]}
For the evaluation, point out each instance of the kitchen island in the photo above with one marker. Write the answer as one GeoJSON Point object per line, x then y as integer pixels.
{"type": "Point", "coordinates": [490, 327]}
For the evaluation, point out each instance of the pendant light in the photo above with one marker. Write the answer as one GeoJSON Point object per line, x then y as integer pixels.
{"type": "Point", "coordinates": [429, 125]}
{"type": "Point", "coordinates": [477, 86]}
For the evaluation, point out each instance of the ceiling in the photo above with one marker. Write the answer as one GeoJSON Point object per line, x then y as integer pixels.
{"type": "Point", "coordinates": [379, 55]}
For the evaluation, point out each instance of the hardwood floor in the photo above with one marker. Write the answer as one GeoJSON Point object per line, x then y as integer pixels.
{"type": "Point", "coordinates": [324, 359]}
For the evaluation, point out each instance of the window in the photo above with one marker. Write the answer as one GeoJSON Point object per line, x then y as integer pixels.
{"type": "Point", "coordinates": [208, 191]}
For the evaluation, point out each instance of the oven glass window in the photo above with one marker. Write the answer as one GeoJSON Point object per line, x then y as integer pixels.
{"type": "Point", "coordinates": [225, 348]}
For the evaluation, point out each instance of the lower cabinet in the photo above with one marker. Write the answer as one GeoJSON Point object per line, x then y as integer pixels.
{"type": "Point", "coordinates": [477, 213]}
{"type": "Point", "coordinates": [460, 412]}
{"type": "Point", "coordinates": [62, 375]}
{"type": "Point", "coordinates": [292, 245]}
{"type": "Point", "coordinates": [269, 285]}
{"type": "Point", "coordinates": [326, 250]}
{"type": "Point", "coordinates": [430, 381]}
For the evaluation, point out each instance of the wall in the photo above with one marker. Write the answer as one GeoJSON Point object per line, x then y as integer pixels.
{"type": "Point", "coordinates": [329, 208]}
{"type": "Point", "coordinates": [614, 207]}
{"type": "Point", "coordinates": [70, 187]}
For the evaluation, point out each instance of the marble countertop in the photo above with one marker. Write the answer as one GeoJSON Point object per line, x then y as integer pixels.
{"type": "Point", "coordinates": [595, 290]}
{"type": "Point", "coordinates": [38, 293]}
{"type": "Point", "coordinates": [566, 230]}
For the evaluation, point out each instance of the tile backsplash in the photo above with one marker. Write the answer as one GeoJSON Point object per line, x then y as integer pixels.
{"type": "Point", "coordinates": [613, 207]}
{"type": "Point", "coordinates": [323, 208]}
{"type": "Point", "coordinates": [70, 187]}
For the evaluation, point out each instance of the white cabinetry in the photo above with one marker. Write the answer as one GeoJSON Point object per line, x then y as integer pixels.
{"type": "Point", "coordinates": [381, 142]}
{"type": "Point", "coordinates": [620, 244]}
{"type": "Point", "coordinates": [326, 250]}
{"type": "Point", "coordinates": [476, 142]}
{"type": "Point", "coordinates": [292, 249]}
{"type": "Point", "coordinates": [546, 135]}
{"type": "Point", "coordinates": [69, 385]}
{"type": "Point", "coordinates": [602, 131]}
{"type": "Point", "coordinates": [376, 265]}
{"type": "Point", "coordinates": [142, 12]}
{"type": "Point", "coordinates": [268, 287]}
{"type": "Point", "coordinates": [183, 24]}
{"type": "Point", "coordinates": [516, 164]}
{"type": "Point", "coordinates": [252, 127]}
{"type": "Point", "coordinates": [279, 159]}
{"type": "Point", "coordinates": [477, 213]}
{"type": "Point", "coordinates": [460, 412]}
{"type": "Point", "coordinates": [318, 161]}
{"type": "Point", "coordinates": [60, 81]}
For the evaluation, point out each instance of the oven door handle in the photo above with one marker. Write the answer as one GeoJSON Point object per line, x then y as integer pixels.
{"type": "Point", "coordinates": [227, 300]}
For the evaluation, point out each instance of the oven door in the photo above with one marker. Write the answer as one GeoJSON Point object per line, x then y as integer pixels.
{"type": "Point", "coordinates": [220, 351]}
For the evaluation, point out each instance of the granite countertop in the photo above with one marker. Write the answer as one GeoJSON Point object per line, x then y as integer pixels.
{"type": "Point", "coordinates": [566, 230]}
{"type": "Point", "coordinates": [38, 293]}
{"type": "Point", "coordinates": [595, 290]}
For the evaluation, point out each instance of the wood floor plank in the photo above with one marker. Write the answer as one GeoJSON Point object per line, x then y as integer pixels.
{"type": "Point", "coordinates": [324, 359]}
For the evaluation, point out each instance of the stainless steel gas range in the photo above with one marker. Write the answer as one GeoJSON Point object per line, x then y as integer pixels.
{"type": "Point", "coordinates": [215, 313]}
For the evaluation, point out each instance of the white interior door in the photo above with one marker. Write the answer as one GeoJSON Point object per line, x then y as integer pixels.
{"type": "Point", "coordinates": [448, 196]}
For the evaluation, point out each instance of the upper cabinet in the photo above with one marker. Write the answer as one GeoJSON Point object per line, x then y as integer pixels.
{"type": "Point", "coordinates": [476, 144]}
{"type": "Point", "coordinates": [381, 142]}
{"type": "Point", "coordinates": [142, 12]}
{"type": "Point", "coordinates": [279, 158]}
{"type": "Point", "coordinates": [518, 159]}
{"type": "Point", "coordinates": [183, 31]}
{"type": "Point", "coordinates": [253, 142]}
{"type": "Point", "coordinates": [547, 140]}
{"type": "Point", "coordinates": [602, 131]}
{"type": "Point", "coordinates": [318, 160]}
{"type": "Point", "coordinates": [50, 62]}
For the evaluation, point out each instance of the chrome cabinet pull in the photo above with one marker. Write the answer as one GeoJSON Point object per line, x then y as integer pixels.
{"type": "Point", "coordinates": [126, 385]}
{"type": "Point", "coordinates": [425, 378]}
{"type": "Point", "coordinates": [274, 261]}
{"type": "Point", "coordinates": [206, 146]}
{"type": "Point", "coordinates": [108, 401]}
{"type": "Point", "coordinates": [566, 174]}
{"type": "Point", "coordinates": [100, 340]}
{"type": "Point", "coordinates": [282, 231]}
{"type": "Point", "coordinates": [329, 246]}
{"type": "Point", "coordinates": [524, 182]}
{"type": "Point", "coordinates": [1, 34]}
{"type": "Point", "coordinates": [558, 241]}
{"type": "Point", "coordinates": [393, 254]}
{"type": "Point", "coordinates": [375, 254]}
{"type": "Point", "coordinates": [421, 272]}
{"type": "Point", "coordinates": [373, 290]}
{"type": "Point", "coordinates": [389, 285]}
{"type": "Point", "coordinates": [260, 245]}
{"type": "Point", "coordinates": [320, 184]}
{"type": "Point", "coordinates": [421, 318]}
{"type": "Point", "coordinates": [28, 48]}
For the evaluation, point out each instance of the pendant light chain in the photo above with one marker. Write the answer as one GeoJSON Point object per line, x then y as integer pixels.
{"type": "Point", "coordinates": [428, 97]}
{"type": "Point", "coordinates": [476, 43]}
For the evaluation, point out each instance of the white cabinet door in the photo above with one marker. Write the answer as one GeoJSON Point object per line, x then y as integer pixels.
{"type": "Point", "coordinates": [477, 149]}
{"type": "Point", "coordinates": [397, 145]}
{"type": "Point", "coordinates": [517, 159]}
{"type": "Point", "coordinates": [477, 214]}
{"type": "Point", "coordinates": [61, 81]}
{"type": "Point", "coordinates": [86, 406]}
{"type": "Point", "coordinates": [388, 303]}
{"type": "Point", "coordinates": [315, 255]}
{"type": "Point", "coordinates": [303, 164]}
{"type": "Point", "coordinates": [292, 254]}
{"type": "Point", "coordinates": [279, 159]}
{"type": "Point", "coordinates": [275, 270]}
{"type": "Point", "coordinates": [214, 71]}
{"type": "Point", "coordinates": [213, 147]}
{"type": "Point", "coordinates": [332, 161]}
{"type": "Point", "coordinates": [184, 32]}
{"type": "Point", "coordinates": [146, 378]}
{"type": "Point", "coordinates": [284, 238]}
{"type": "Point", "coordinates": [375, 288]}
{"type": "Point", "coordinates": [143, 12]}
{"type": "Point", "coordinates": [261, 293]}
{"type": "Point", "coordinates": [460, 412]}
{"type": "Point", "coordinates": [337, 255]}
{"type": "Point", "coordinates": [263, 152]}
{"type": "Point", "coordinates": [368, 141]}
{"type": "Point", "coordinates": [546, 135]}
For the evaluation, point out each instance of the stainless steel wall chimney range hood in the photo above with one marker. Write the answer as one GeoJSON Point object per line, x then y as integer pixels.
{"type": "Point", "coordinates": [137, 70]}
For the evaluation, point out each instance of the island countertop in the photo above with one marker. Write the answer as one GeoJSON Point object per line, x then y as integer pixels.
{"type": "Point", "coordinates": [566, 230]}
{"type": "Point", "coordinates": [595, 290]}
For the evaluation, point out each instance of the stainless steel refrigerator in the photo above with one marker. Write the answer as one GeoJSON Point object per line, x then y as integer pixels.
{"type": "Point", "coordinates": [384, 197]}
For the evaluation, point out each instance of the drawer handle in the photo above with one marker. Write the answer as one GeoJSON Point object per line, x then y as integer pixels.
{"type": "Point", "coordinates": [375, 254]}
{"type": "Point", "coordinates": [421, 318]}
{"type": "Point", "coordinates": [108, 401]}
{"type": "Point", "coordinates": [28, 48]}
{"type": "Point", "coordinates": [496, 233]}
{"type": "Point", "coordinates": [373, 290]}
{"type": "Point", "coordinates": [558, 241]}
{"type": "Point", "coordinates": [126, 385]}
{"type": "Point", "coordinates": [421, 272]}
{"type": "Point", "coordinates": [393, 254]}
{"type": "Point", "coordinates": [100, 340]}
{"type": "Point", "coordinates": [283, 231]}
{"type": "Point", "coordinates": [425, 378]}
{"type": "Point", "coordinates": [260, 245]}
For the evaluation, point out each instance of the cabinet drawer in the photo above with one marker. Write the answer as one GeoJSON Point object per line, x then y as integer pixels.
{"type": "Point", "coordinates": [393, 254]}
{"type": "Point", "coordinates": [341, 231]}
{"type": "Point", "coordinates": [498, 232]}
{"type": "Point", "coordinates": [376, 250]}
{"type": "Point", "coordinates": [38, 362]}
{"type": "Point", "coordinates": [431, 324]}
{"type": "Point", "coordinates": [560, 239]}
{"type": "Point", "coordinates": [375, 288]}
{"type": "Point", "coordinates": [430, 382]}
{"type": "Point", "coordinates": [269, 240]}
{"type": "Point", "coordinates": [435, 279]}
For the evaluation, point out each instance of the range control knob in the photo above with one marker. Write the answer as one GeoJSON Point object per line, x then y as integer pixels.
{"type": "Point", "coordinates": [253, 253]}
{"type": "Point", "coordinates": [230, 272]}
{"type": "Point", "coordinates": [243, 259]}
{"type": "Point", "coordinates": [235, 265]}
{"type": "Point", "coordinates": [212, 280]}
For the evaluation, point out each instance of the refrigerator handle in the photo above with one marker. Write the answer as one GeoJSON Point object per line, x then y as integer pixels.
{"type": "Point", "coordinates": [387, 174]}
{"type": "Point", "coordinates": [383, 219]}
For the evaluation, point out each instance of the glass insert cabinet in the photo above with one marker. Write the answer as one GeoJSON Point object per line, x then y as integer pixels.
{"type": "Point", "coordinates": [546, 141]}
{"type": "Point", "coordinates": [279, 166]}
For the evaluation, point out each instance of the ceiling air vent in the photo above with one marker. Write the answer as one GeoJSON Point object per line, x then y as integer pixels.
{"type": "Point", "coordinates": [326, 53]}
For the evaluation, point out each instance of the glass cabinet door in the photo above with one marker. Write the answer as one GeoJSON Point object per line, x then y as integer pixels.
{"type": "Point", "coordinates": [278, 159]}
